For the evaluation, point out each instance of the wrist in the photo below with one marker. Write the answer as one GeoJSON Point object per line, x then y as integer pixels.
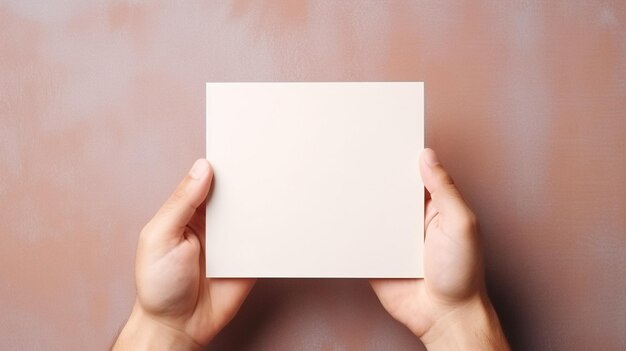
{"type": "Point", "coordinates": [471, 326]}
{"type": "Point", "coordinates": [144, 332]}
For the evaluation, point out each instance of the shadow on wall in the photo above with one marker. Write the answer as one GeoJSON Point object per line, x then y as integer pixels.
{"type": "Point", "coordinates": [254, 318]}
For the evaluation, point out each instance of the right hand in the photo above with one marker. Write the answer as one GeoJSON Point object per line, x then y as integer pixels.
{"type": "Point", "coordinates": [449, 308]}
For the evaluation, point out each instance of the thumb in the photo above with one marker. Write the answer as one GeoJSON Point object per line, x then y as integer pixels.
{"type": "Point", "coordinates": [172, 218]}
{"type": "Point", "coordinates": [445, 196]}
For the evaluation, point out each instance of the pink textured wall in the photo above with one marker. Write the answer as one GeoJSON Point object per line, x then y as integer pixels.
{"type": "Point", "coordinates": [102, 111]}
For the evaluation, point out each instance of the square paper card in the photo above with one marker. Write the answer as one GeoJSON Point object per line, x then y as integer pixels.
{"type": "Point", "coordinates": [315, 179]}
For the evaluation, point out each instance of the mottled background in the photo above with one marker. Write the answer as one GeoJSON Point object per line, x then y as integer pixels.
{"type": "Point", "coordinates": [102, 111]}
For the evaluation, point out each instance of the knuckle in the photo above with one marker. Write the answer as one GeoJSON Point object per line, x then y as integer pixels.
{"type": "Point", "coordinates": [149, 235]}
{"type": "Point", "coordinates": [469, 222]}
{"type": "Point", "coordinates": [473, 220]}
{"type": "Point", "coordinates": [444, 177]}
{"type": "Point", "coordinates": [178, 195]}
{"type": "Point", "coordinates": [145, 231]}
{"type": "Point", "coordinates": [176, 199]}
{"type": "Point", "coordinates": [144, 236]}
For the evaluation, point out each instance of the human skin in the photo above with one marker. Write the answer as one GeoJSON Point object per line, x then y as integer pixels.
{"type": "Point", "coordinates": [177, 308]}
{"type": "Point", "coordinates": [449, 309]}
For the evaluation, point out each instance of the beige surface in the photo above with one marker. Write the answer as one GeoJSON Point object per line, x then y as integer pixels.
{"type": "Point", "coordinates": [102, 111]}
{"type": "Point", "coordinates": [315, 180]}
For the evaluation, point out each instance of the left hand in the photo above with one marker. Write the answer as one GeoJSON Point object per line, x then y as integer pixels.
{"type": "Point", "coordinates": [177, 307]}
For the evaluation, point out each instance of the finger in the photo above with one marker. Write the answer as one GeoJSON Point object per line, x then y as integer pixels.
{"type": "Point", "coordinates": [445, 196]}
{"type": "Point", "coordinates": [198, 222]}
{"type": "Point", "coordinates": [429, 215]}
{"type": "Point", "coordinates": [172, 218]}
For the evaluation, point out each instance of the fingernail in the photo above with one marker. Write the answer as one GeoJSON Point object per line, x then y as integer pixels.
{"type": "Point", "coordinates": [430, 157]}
{"type": "Point", "coordinates": [199, 169]}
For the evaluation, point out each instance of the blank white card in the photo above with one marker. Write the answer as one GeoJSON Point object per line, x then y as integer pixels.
{"type": "Point", "coordinates": [315, 179]}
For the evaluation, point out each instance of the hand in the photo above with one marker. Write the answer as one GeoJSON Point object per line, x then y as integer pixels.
{"type": "Point", "coordinates": [449, 308]}
{"type": "Point", "coordinates": [177, 307]}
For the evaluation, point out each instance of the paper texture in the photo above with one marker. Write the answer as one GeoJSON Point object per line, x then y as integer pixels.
{"type": "Point", "coordinates": [315, 179]}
